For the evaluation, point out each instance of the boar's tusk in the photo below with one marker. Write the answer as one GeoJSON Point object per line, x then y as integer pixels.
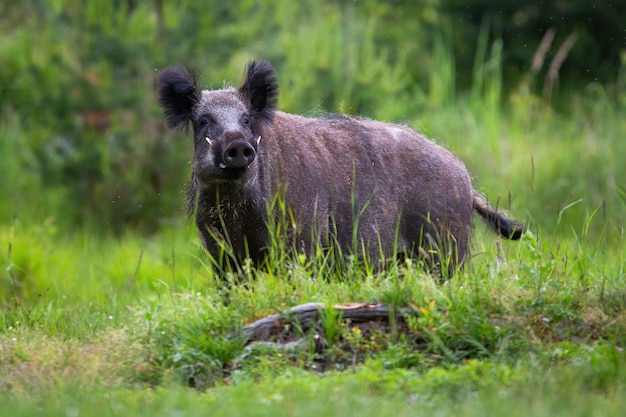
{"type": "Point", "coordinates": [210, 143]}
{"type": "Point", "coordinates": [258, 140]}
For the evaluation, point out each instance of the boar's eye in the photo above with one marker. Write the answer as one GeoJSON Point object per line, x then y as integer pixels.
{"type": "Point", "coordinates": [205, 120]}
{"type": "Point", "coordinates": [245, 120]}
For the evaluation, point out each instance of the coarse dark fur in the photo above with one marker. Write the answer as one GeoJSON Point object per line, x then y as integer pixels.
{"type": "Point", "coordinates": [401, 193]}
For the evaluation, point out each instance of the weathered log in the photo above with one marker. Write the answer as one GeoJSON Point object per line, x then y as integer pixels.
{"type": "Point", "coordinates": [307, 314]}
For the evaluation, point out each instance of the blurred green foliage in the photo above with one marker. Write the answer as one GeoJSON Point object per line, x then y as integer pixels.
{"type": "Point", "coordinates": [82, 139]}
{"type": "Point", "coordinates": [597, 28]}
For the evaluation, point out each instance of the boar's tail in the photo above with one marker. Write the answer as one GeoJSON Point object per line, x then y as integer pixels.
{"type": "Point", "coordinates": [502, 225]}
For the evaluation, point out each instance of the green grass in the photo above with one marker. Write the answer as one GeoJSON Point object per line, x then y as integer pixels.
{"type": "Point", "coordinates": [128, 325]}
{"type": "Point", "coordinates": [371, 391]}
{"type": "Point", "coordinates": [100, 319]}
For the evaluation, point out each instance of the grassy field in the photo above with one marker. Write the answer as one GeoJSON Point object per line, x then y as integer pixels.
{"type": "Point", "coordinates": [142, 327]}
{"type": "Point", "coordinates": [97, 324]}
{"type": "Point", "coordinates": [109, 307]}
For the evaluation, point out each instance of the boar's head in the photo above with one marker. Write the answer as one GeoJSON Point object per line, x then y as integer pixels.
{"type": "Point", "coordinates": [227, 124]}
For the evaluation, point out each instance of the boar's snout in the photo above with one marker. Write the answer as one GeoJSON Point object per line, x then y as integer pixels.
{"type": "Point", "coordinates": [238, 154]}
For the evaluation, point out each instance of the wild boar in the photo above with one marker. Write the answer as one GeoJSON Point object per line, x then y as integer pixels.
{"type": "Point", "coordinates": [374, 189]}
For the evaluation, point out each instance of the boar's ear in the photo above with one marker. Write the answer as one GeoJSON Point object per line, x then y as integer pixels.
{"type": "Point", "coordinates": [177, 96]}
{"type": "Point", "coordinates": [260, 90]}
